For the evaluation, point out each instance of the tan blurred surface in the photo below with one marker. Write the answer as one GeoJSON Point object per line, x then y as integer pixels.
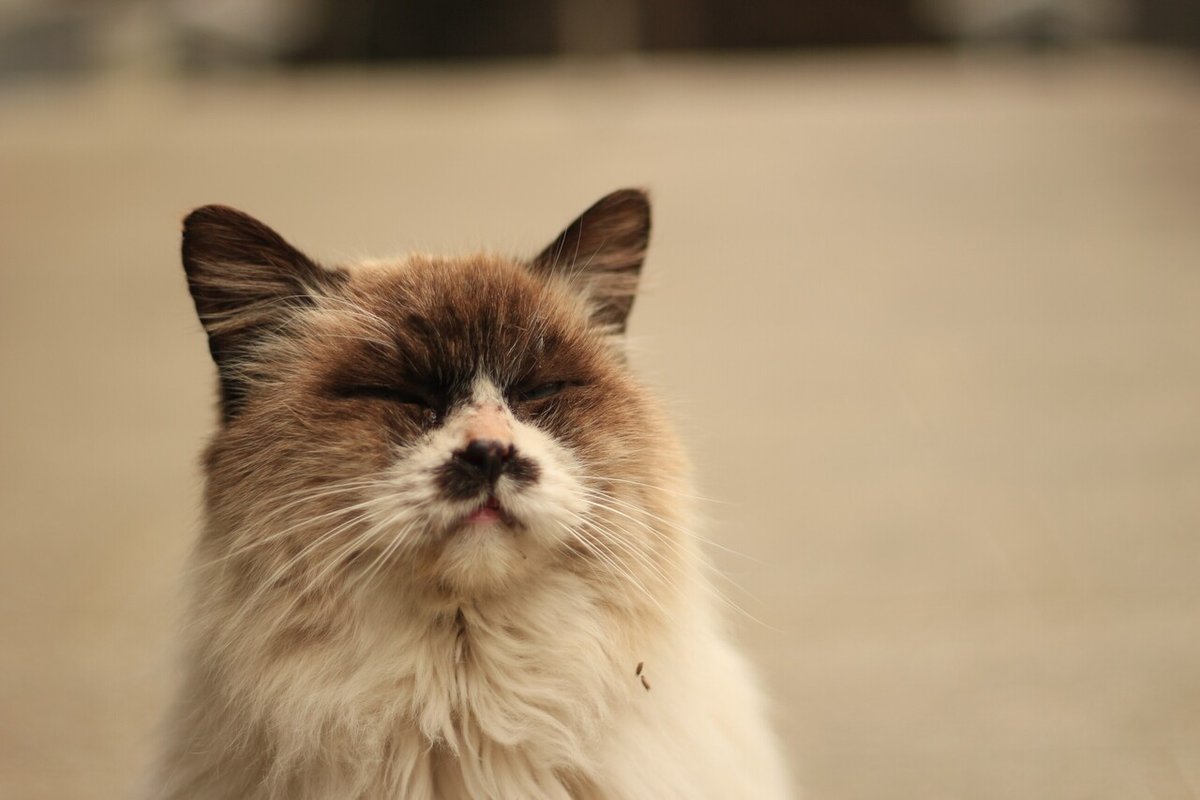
{"type": "Point", "coordinates": [932, 324]}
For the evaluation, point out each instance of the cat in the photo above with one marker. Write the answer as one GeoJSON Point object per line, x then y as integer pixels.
{"type": "Point", "coordinates": [447, 548]}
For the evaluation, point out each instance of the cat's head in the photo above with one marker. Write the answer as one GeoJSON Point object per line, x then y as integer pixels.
{"type": "Point", "coordinates": [461, 422]}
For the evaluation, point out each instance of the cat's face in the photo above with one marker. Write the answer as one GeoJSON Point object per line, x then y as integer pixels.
{"type": "Point", "coordinates": [463, 423]}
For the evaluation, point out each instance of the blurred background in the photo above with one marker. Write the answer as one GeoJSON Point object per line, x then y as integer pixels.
{"type": "Point", "coordinates": [924, 295]}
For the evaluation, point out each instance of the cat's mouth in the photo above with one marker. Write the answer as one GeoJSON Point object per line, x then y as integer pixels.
{"type": "Point", "coordinates": [489, 512]}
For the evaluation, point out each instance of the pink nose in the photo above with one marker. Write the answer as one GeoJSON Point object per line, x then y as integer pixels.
{"type": "Point", "coordinates": [489, 423]}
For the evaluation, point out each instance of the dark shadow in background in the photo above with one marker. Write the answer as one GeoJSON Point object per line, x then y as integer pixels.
{"type": "Point", "coordinates": [73, 36]}
{"type": "Point", "coordinates": [387, 30]}
{"type": "Point", "coordinates": [375, 30]}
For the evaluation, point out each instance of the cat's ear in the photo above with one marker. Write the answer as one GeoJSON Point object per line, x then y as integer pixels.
{"type": "Point", "coordinates": [601, 254]}
{"type": "Point", "coordinates": [246, 281]}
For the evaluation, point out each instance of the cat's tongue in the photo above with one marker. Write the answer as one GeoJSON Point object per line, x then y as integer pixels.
{"type": "Point", "coordinates": [488, 512]}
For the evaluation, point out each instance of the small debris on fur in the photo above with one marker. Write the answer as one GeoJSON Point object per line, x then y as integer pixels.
{"type": "Point", "coordinates": [645, 683]}
{"type": "Point", "coordinates": [638, 671]}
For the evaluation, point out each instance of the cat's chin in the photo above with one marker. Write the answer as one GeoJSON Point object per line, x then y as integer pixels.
{"type": "Point", "coordinates": [481, 557]}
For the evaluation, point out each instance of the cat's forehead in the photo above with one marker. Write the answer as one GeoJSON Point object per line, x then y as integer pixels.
{"type": "Point", "coordinates": [475, 312]}
{"type": "Point", "coordinates": [437, 281]}
{"type": "Point", "coordinates": [433, 286]}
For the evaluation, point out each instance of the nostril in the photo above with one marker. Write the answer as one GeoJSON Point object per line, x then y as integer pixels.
{"type": "Point", "coordinates": [486, 455]}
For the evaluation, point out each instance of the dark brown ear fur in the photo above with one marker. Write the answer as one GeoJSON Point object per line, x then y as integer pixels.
{"type": "Point", "coordinates": [245, 280]}
{"type": "Point", "coordinates": [601, 254]}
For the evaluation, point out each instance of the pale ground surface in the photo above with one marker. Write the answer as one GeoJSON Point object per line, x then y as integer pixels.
{"type": "Point", "coordinates": [932, 324]}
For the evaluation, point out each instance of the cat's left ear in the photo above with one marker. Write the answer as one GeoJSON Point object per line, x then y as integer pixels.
{"type": "Point", "coordinates": [601, 255]}
{"type": "Point", "coordinates": [247, 283]}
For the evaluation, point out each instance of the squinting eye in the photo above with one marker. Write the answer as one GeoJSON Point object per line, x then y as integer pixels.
{"type": "Point", "coordinates": [386, 393]}
{"type": "Point", "coordinates": [541, 392]}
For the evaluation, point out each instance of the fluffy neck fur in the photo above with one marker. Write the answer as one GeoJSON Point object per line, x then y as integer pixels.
{"type": "Point", "coordinates": [413, 697]}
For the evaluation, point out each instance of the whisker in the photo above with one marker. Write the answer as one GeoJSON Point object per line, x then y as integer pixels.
{"type": "Point", "coordinates": [308, 522]}
{"type": "Point", "coordinates": [614, 537]}
{"type": "Point", "coordinates": [617, 568]}
{"type": "Point", "coordinates": [389, 550]}
{"type": "Point", "coordinates": [713, 590]}
{"type": "Point", "coordinates": [674, 525]}
{"type": "Point", "coordinates": [334, 562]}
{"type": "Point", "coordinates": [266, 585]}
{"type": "Point", "coordinates": [656, 487]}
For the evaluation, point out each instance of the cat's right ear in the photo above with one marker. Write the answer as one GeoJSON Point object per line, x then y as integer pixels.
{"type": "Point", "coordinates": [600, 254]}
{"type": "Point", "coordinates": [246, 281]}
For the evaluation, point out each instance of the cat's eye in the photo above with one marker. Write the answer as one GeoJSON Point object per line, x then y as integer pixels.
{"type": "Point", "coordinates": [540, 392]}
{"type": "Point", "coordinates": [389, 393]}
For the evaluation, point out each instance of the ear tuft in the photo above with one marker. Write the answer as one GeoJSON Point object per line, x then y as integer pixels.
{"type": "Point", "coordinates": [601, 254]}
{"type": "Point", "coordinates": [246, 281]}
